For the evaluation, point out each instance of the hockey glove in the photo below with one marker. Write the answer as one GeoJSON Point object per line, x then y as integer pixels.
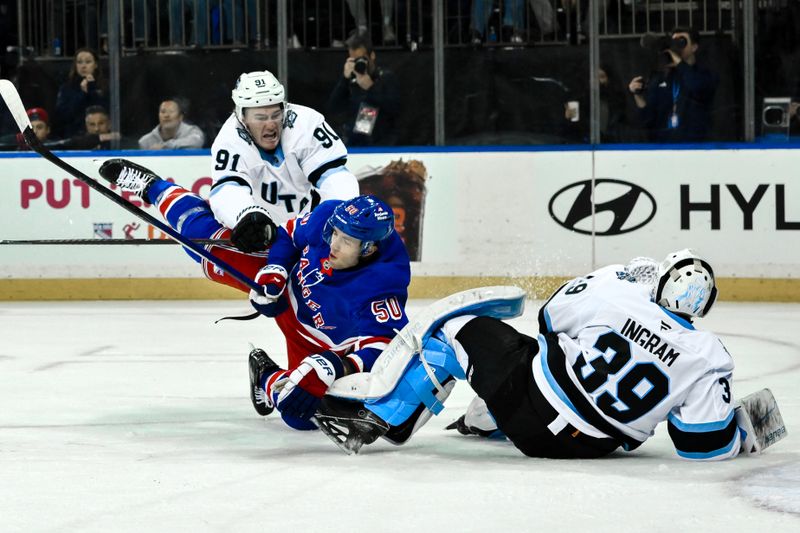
{"type": "Point", "coordinates": [254, 230]}
{"type": "Point", "coordinates": [305, 386]}
{"type": "Point", "coordinates": [272, 279]}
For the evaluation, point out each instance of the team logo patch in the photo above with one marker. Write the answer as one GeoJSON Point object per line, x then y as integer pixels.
{"type": "Point", "coordinates": [102, 230]}
{"type": "Point", "coordinates": [288, 122]}
{"type": "Point", "coordinates": [381, 214]}
{"type": "Point", "coordinates": [326, 266]}
{"type": "Point", "coordinates": [244, 135]}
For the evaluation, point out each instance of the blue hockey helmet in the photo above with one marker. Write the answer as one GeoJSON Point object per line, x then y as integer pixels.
{"type": "Point", "coordinates": [364, 217]}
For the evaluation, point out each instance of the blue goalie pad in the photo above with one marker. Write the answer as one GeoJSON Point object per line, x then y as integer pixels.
{"type": "Point", "coordinates": [416, 386]}
{"type": "Point", "coordinates": [501, 302]}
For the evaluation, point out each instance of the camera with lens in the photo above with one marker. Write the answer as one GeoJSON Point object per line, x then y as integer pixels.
{"type": "Point", "coordinates": [661, 44]}
{"type": "Point", "coordinates": [361, 65]}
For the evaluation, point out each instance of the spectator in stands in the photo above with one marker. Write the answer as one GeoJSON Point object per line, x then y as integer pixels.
{"type": "Point", "coordinates": [367, 95]}
{"type": "Point", "coordinates": [359, 13]}
{"type": "Point", "coordinates": [97, 136]}
{"type": "Point", "coordinates": [172, 131]}
{"type": "Point", "coordinates": [675, 104]}
{"type": "Point", "coordinates": [227, 19]}
{"type": "Point", "coordinates": [513, 21]}
{"type": "Point", "coordinates": [198, 12]}
{"type": "Point", "coordinates": [613, 123]}
{"type": "Point", "coordinates": [545, 17]}
{"type": "Point", "coordinates": [234, 15]}
{"type": "Point", "coordinates": [85, 87]}
{"type": "Point", "coordinates": [40, 122]}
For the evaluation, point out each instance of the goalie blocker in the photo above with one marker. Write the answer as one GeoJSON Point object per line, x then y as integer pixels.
{"type": "Point", "coordinates": [759, 421]}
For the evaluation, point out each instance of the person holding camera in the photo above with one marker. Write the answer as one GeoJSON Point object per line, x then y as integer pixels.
{"type": "Point", "coordinates": [366, 95]}
{"type": "Point", "coordinates": [675, 104]}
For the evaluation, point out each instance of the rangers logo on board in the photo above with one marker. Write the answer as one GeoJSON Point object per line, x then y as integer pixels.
{"type": "Point", "coordinates": [102, 230]}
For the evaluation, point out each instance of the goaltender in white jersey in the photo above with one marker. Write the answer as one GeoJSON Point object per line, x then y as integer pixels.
{"type": "Point", "coordinates": [616, 355]}
{"type": "Point", "coordinates": [273, 161]}
{"type": "Point", "coordinates": [636, 364]}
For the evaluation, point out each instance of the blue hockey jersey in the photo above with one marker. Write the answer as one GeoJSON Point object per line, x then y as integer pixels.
{"type": "Point", "coordinates": [353, 312]}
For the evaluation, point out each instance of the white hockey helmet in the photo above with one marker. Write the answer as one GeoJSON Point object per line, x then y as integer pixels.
{"type": "Point", "coordinates": [686, 284]}
{"type": "Point", "coordinates": [257, 89]}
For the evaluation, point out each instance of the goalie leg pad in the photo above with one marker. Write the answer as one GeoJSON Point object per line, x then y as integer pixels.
{"type": "Point", "coordinates": [427, 381]}
{"type": "Point", "coordinates": [499, 302]}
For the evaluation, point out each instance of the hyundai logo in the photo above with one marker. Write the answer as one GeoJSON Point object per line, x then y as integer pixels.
{"type": "Point", "coordinates": [620, 207]}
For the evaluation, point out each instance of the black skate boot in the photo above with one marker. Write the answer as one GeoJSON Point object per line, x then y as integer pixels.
{"type": "Point", "coordinates": [349, 424]}
{"type": "Point", "coordinates": [260, 364]}
{"type": "Point", "coordinates": [128, 176]}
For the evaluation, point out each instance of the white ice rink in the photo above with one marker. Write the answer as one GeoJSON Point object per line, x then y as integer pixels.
{"type": "Point", "coordinates": [136, 417]}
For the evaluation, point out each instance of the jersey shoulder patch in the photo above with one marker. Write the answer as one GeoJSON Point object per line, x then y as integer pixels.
{"type": "Point", "coordinates": [244, 135]}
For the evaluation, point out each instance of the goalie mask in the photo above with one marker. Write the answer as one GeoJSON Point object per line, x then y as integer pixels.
{"type": "Point", "coordinates": [257, 89]}
{"type": "Point", "coordinates": [686, 284]}
{"type": "Point", "coordinates": [365, 218]}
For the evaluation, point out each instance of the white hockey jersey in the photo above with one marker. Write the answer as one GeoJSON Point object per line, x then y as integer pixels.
{"type": "Point", "coordinates": [614, 364]}
{"type": "Point", "coordinates": [307, 167]}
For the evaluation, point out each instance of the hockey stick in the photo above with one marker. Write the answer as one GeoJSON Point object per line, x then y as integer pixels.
{"type": "Point", "coordinates": [14, 103]}
{"type": "Point", "coordinates": [135, 242]}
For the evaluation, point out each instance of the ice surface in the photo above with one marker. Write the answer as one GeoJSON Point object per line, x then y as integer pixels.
{"type": "Point", "coordinates": [135, 416]}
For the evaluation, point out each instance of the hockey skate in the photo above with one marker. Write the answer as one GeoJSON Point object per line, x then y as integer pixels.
{"type": "Point", "coordinates": [128, 176]}
{"type": "Point", "coordinates": [260, 364]}
{"type": "Point", "coordinates": [349, 424]}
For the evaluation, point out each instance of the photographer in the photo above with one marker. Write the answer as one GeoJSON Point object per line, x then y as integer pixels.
{"type": "Point", "coordinates": [675, 104]}
{"type": "Point", "coordinates": [366, 95]}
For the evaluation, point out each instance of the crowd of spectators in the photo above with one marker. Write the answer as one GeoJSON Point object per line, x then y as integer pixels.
{"type": "Point", "coordinates": [672, 103]}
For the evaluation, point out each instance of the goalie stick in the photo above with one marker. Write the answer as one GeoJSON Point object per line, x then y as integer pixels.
{"type": "Point", "coordinates": [14, 104]}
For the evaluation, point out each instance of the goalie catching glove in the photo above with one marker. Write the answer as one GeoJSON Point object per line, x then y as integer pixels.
{"type": "Point", "coordinates": [300, 392]}
{"type": "Point", "coordinates": [254, 230]}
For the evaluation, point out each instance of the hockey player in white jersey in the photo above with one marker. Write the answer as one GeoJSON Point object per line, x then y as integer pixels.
{"type": "Point", "coordinates": [273, 161]}
{"type": "Point", "coordinates": [616, 355]}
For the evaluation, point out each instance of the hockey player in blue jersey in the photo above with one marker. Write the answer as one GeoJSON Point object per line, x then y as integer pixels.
{"type": "Point", "coordinates": [616, 355]}
{"type": "Point", "coordinates": [336, 283]}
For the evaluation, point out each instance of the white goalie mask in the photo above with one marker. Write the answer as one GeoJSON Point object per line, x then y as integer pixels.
{"type": "Point", "coordinates": [257, 89]}
{"type": "Point", "coordinates": [686, 284]}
